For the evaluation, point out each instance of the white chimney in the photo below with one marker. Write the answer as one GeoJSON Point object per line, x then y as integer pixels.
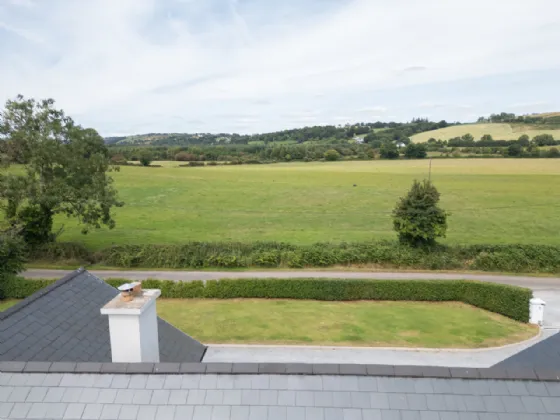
{"type": "Point", "coordinates": [133, 325]}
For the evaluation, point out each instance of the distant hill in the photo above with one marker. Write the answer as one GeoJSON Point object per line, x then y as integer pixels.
{"type": "Point", "coordinates": [390, 131]}
{"type": "Point", "coordinates": [503, 126]}
{"type": "Point", "coordinates": [509, 129]}
{"type": "Point", "coordinates": [498, 131]}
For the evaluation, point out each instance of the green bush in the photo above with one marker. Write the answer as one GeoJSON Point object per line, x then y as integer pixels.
{"type": "Point", "coordinates": [62, 251]}
{"type": "Point", "coordinates": [19, 288]}
{"type": "Point", "coordinates": [388, 254]}
{"type": "Point", "coordinates": [510, 301]}
{"type": "Point", "coordinates": [331, 155]}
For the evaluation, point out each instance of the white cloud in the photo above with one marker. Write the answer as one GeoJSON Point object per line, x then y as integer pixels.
{"type": "Point", "coordinates": [372, 109]}
{"type": "Point", "coordinates": [129, 63]}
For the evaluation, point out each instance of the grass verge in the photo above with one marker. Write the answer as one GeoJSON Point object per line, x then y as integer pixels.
{"type": "Point", "coordinates": [360, 323]}
{"type": "Point", "coordinates": [5, 304]}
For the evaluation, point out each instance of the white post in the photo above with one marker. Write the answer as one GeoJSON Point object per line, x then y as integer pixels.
{"type": "Point", "coordinates": [536, 311]}
{"type": "Point", "coordinates": [133, 328]}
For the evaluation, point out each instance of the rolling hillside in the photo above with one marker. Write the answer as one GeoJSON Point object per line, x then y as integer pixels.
{"type": "Point", "coordinates": [504, 131]}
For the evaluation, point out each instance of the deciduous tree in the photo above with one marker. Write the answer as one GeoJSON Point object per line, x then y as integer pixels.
{"type": "Point", "coordinates": [64, 170]}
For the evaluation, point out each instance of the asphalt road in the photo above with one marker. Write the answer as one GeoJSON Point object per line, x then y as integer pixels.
{"type": "Point", "coordinates": [535, 283]}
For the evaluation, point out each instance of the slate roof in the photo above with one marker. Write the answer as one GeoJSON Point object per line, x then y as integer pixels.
{"type": "Point", "coordinates": [543, 355]}
{"type": "Point", "coordinates": [273, 397]}
{"type": "Point", "coordinates": [62, 322]}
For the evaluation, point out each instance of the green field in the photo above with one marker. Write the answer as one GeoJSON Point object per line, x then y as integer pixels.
{"type": "Point", "coordinates": [402, 324]}
{"type": "Point", "coordinates": [497, 131]}
{"type": "Point", "coordinates": [491, 201]}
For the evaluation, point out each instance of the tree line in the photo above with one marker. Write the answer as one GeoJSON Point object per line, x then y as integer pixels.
{"type": "Point", "coordinates": [329, 133]}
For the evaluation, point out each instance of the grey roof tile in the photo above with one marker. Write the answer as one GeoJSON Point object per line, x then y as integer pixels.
{"type": "Point", "coordinates": [237, 413]}
{"type": "Point", "coordinates": [92, 411]}
{"type": "Point", "coordinates": [128, 412]}
{"type": "Point", "coordinates": [110, 412]}
{"type": "Point", "coordinates": [20, 410]}
{"type": "Point", "coordinates": [5, 409]}
{"type": "Point", "coordinates": [142, 396]}
{"type": "Point", "coordinates": [296, 413]}
{"type": "Point", "coordinates": [74, 411]}
{"type": "Point", "coordinates": [148, 412]}
{"type": "Point", "coordinates": [36, 329]}
{"type": "Point", "coordinates": [167, 412]}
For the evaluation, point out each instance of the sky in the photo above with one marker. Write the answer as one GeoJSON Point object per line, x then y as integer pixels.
{"type": "Point", "coordinates": [142, 66]}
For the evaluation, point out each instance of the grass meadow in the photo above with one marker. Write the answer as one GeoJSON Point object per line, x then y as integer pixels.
{"type": "Point", "coordinates": [497, 131]}
{"type": "Point", "coordinates": [491, 201]}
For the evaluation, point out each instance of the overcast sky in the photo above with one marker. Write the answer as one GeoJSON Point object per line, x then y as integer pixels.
{"type": "Point", "coordinates": [137, 66]}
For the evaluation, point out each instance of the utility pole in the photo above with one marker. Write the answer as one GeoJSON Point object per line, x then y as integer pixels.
{"type": "Point", "coordinates": [430, 172]}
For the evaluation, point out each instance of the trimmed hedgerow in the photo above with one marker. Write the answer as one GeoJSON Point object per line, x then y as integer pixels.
{"type": "Point", "coordinates": [510, 301]}
{"type": "Point", "coordinates": [504, 258]}
{"type": "Point", "coordinates": [19, 288]}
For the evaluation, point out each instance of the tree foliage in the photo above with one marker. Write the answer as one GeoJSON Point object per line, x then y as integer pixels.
{"type": "Point", "coordinates": [332, 155]}
{"type": "Point", "coordinates": [417, 217]}
{"type": "Point", "coordinates": [64, 170]}
{"type": "Point", "coordinates": [389, 150]}
{"type": "Point", "coordinates": [544, 140]}
{"type": "Point", "coordinates": [415, 151]}
{"type": "Point", "coordinates": [515, 150]}
{"type": "Point", "coordinates": [146, 157]}
{"type": "Point", "coordinates": [12, 257]}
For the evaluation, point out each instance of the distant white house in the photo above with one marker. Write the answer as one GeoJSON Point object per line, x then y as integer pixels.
{"type": "Point", "coordinates": [400, 145]}
{"type": "Point", "coordinates": [359, 140]}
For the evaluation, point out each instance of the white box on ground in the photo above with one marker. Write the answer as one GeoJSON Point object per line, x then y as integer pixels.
{"type": "Point", "coordinates": [536, 311]}
{"type": "Point", "coordinates": [133, 328]}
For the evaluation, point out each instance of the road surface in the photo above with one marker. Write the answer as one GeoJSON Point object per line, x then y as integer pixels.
{"type": "Point", "coordinates": [535, 283]}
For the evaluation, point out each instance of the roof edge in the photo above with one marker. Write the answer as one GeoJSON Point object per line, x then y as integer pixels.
{"type": "Point", "coordinates": [40, 293]}
{"type": "Point", "coordinates": [437, 372]}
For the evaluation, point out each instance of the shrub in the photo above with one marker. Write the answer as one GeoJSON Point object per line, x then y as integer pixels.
{"type": "Point", "coordinates": [553, 152]}
{"type": "Point", "coordinates": [510, 301]}
{"type": "Point", "coordinates": [331, 155]}
{"type": "Point", "coordinates": [514, 150]}
{"type": "Point", "coordinates": [12, 257]}
{"type": "Point", "coordinates": [417, 218]}
{"type": "Point", "coordinates": [415, 151]}
{"type": "Point", "coordinates": [146, 158]}
{"type": "Point", "coordinates": [19, 288]}
{"type": "Point", "coordinates": [185, 157]}
{"type": "Point", "coordinates": [63, 251]}
{"type": "Point", "coordinates": [389, 151]}
{"type": "Point", "coordinates": [388, 254]}
{"type": "Point", "coordinates": [118, 160]}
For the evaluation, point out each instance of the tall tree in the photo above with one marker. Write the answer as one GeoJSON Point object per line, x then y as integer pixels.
{"type": "Point", "coordinates": [64, 170]}
{"type": "Point", "coordinates": [417, 217]}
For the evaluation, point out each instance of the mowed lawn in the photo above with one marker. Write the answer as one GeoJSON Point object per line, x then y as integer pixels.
{"type": "Point", "coordinates": [491, 201]}
{"type": "Point", "coordinates": [365, 323]}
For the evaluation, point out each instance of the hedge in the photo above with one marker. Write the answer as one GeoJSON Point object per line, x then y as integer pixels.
{"type": "Point", "coordinates": [510, 301]}
{"type": "Point", "coordinates": [389, 254]}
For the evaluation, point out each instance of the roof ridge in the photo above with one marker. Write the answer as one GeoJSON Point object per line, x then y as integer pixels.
{"type": "Point", "coordinates": [40, 293]}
